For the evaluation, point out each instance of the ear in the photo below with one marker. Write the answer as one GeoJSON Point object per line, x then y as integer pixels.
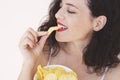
{"type": "Point", "coordinates": [99, 23]}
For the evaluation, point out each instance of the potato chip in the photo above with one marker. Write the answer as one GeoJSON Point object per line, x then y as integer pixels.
{"type": "Point", "coordinates": [55, 72]}
{"type": "Point", "coordinates": [51, 29]}
{"type": "Point", "coordinates": [50, 76]}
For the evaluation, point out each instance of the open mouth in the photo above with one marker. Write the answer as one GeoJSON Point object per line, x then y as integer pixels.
{"type": "Point", "coordinates": [63, 27]}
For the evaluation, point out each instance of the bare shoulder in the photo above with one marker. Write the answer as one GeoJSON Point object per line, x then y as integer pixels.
{"type": "Point", "coordinates": [114, 73]}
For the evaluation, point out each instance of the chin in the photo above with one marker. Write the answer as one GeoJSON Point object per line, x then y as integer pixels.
{"type": "Point", "coordinates": [62, 39]}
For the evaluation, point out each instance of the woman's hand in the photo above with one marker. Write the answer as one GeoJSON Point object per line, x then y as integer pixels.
{"type": "Point", "coordinates": [30, 47]}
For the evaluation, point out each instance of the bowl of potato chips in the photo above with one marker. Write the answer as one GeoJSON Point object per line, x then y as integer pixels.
{"type": "Point", "coordinates": [55, 72]}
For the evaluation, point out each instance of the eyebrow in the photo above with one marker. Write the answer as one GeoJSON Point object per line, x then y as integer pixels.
{"type": "Point", "coordinates": [72, 5]}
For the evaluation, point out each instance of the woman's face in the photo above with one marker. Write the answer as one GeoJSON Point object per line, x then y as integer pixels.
{"type": "Point", "coordinates": [75, 17]}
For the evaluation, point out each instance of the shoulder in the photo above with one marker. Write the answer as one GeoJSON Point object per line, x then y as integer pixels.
{"type": "Point", "coordinates": [114, 73]}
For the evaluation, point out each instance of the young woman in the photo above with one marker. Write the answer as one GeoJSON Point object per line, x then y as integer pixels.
{"type": "Point", "coordinates": [89, 42]}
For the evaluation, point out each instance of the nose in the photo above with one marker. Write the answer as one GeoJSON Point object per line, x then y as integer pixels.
{"type": "Point", "coordinates": [59, 15]}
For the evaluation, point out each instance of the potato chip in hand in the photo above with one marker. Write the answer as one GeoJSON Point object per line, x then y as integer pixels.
{"type": "Point", "coordinates": [51, 29]}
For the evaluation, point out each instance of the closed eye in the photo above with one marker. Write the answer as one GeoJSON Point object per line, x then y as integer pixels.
{"type": "Point", "coordinates": [71, 12]}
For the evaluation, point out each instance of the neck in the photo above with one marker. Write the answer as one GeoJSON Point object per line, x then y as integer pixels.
{"type": "Point", "coordinates": [75, 48]}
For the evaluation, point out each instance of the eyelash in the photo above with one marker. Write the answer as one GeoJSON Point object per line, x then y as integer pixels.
{"type": "Point", "coordinates": [71, 12]}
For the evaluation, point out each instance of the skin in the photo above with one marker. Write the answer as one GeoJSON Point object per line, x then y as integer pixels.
{"type": "Point", "coordinates": [77, 19]}
{"type": "Point", "coordinates": [75, 15]}
{"type": "Point", "coordinates": [80, 28]}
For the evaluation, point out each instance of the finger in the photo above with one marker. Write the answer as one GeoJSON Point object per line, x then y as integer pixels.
{"type": "Point", "coordinates": [27, 33]}
{"type": "Point", "coordinates": [42, 33]}
{"type": "Point", "coordinates": [34, 33]}
{"type": "Point", "coordinates": [42, 41]}
{"type": "Point", "coordinates": [28, 43]}
{"type": "Point", "coordinates": [31, 36]}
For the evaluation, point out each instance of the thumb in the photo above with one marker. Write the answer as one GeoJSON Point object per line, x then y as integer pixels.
{"type": "Point", "coordinates": [41, 42]}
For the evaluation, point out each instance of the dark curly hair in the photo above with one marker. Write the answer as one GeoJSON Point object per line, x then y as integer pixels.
{"type": "Point", "coordinates": [104, 47]}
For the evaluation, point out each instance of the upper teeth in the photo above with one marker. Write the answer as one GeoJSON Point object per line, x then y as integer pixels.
{"type": "Point", "coordinates": [62, 26]}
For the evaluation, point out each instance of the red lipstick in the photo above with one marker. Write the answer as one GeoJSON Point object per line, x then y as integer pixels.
{"type": "Point", "coordinates": [63, 28]}
{"type": "Point", "coordinates": [60, 23]}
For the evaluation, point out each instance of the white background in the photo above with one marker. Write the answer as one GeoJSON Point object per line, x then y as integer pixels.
{"type": "Point", "coordinates": [15, 17]}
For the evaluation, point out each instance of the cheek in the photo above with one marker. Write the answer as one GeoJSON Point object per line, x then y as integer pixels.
{"type": "Point", "coordinates": [81, 23]}
{"type": "Point", "coordinates": [77, 26]}
{"type": "Point", "coordinates": [80, 28]}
